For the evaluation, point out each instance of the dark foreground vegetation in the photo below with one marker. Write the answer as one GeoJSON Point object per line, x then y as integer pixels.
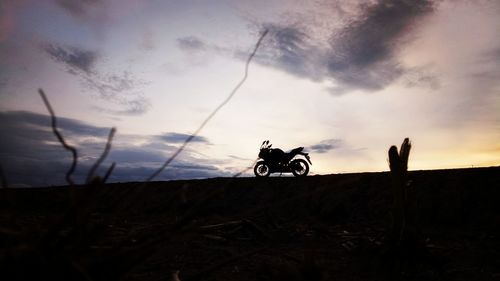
{"type": "Point", "coordinates": [335, 227]}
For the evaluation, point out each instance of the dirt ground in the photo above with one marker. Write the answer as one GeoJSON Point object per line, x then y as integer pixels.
{"type": "Point", "coordinates": [332, 227]}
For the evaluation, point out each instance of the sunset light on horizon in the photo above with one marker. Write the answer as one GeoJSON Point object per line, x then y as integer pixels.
{"type": "Point", "coordinates": [344, 79]}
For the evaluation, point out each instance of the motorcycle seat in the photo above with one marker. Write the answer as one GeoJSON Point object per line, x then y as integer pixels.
{"type": "Point", "coordinates": [296, 150]}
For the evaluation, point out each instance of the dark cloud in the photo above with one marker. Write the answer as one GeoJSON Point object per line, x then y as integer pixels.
{"type": "Point", "coordinates": [74, 58]}
{"type": "Point", "coordinates": [131, 174]}
{"type": "Point", "coordinates": [29, 151]}
{"type": "Point", "coordinates": [372, 38]}
{"type": "Point", "coordinates": [180, 138]}
{"type": "Point", "coordinates": [190, 43]}
{"type": "Point", "coordinates": [326, 145]}
{"type": "Point", "coordinates": [134, 107]}
{"type": "Point", "coordinates": [290, 48]}
{"type": "Point", "coordinates": [361, 55]}
{"type": "Point", "coordinates": [77, 8]}
{"type": "Point", "coordinates": [31, 155]}
{"type": "Point", "coordinates": [21, 119]}
{"type": "Point", "coordinates": [136, 154]}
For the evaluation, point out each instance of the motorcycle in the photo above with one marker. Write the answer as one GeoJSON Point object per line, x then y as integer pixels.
{"type": "Point", "coordinates": [275, 160]}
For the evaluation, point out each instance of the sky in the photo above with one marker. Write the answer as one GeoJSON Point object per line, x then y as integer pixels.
{"type": "Point", "coordinates": [344, 79]}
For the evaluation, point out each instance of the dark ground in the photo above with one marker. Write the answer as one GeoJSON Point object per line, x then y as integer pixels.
{"type": "Point", "coordinates": [316, 228]}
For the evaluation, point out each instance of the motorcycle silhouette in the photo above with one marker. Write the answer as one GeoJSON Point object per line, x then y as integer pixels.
{"type": "Point", "coordinates": [275, 160]}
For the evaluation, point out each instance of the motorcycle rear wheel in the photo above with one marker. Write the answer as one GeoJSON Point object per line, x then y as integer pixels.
{"type": "Point", "coordinates": [261, 169]}
{"type": "Point", "coordinates": [299, 167]}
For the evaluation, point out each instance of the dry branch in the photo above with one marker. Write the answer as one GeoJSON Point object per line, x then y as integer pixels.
{"type": "Point", "coordinates": [108, 172]}
{"type": "Point", "coordinates": [73, 151]}
{"type": "Point", "coordinates": [103, 156]}
{"type": "Point", "coordinates": [233, 92]}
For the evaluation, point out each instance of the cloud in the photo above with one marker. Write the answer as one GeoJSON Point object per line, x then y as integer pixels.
{"type": "Point", "coordinates": [133, 107]}
{"type": "Point", "coordinates": [360, 55]}
{"type": "Point", "coordinates": [74, 58]}
{"type": "Point", "coordinates": [326, 145]}
{"type": "Point", "coordinates": [77, 8]}
{"type": "Point", "coordinates": [489, 64]}
{"type": "Point", "coordinates": [181, 138]}
{"type": "Point", "coordinates": [289, 47]}
{"type": "Point", "coordinates": [31, 155]}
{"type": "Point", "coordinates": [421, 77]}
{"type": "Point", "coordinates": [373, 36]}
{"type": "Point", "coordinates": [22, 119]}
{"type": "Point", "coordinates": [190, 43]}
{"type": "Point", "coordinates": [119, 88]}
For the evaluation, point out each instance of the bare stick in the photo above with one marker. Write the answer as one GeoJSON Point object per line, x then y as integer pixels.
{"type": "Point", "coordinates": [399, 170]}
{"type": "Point", "coordinates": [233, 92]}
{"type": "Point", "coordinates": [103, 156]}
{"type": "Point", "coordinates": [108, 173]}
{"type": "Point", "coordinates": [60, 138]}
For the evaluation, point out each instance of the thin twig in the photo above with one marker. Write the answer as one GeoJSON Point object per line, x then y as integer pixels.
{"type": "Point", "coordinates": [233, 92]}
{"type": "Point", "coordinates": [60, 138]}
{"type": "Point", "coordinates": [108, 173]}
{"type": "Point", "coordinates": [103, 156]}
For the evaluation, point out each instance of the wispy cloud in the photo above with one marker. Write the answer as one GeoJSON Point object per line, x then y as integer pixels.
{"type": "Point", "coordinates": [190, 43]}
{"type": "Point", "coordinates": [181, 138]}
{"type": "Point", "coordinates": [362, 54]}
{"type": "Point", "coordinates": [75, 58]}
{"type": "Point", "coordinates": [137, 106]}
{"type": "Point", "coordinates": [421, 77]}
{"type": "Point", "coordinates": [122, 89]}
{"type": "Point", "coordinates": [289, 47]}
{"type": "Point", "coordinates": [325, 146]}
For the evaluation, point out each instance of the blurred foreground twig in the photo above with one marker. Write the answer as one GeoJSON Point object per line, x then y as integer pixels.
{"type": "Point", "coordinates": [233, 92]}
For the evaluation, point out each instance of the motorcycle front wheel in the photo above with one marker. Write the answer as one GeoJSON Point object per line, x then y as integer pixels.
{"type": "Point", "coordinates": [299, 167]}
{"type": "Point", "coordinates": [261, 169]}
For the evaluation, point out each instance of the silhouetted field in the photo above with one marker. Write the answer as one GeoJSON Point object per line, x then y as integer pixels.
{"type": "Point", "coordinates": [330, 227]}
